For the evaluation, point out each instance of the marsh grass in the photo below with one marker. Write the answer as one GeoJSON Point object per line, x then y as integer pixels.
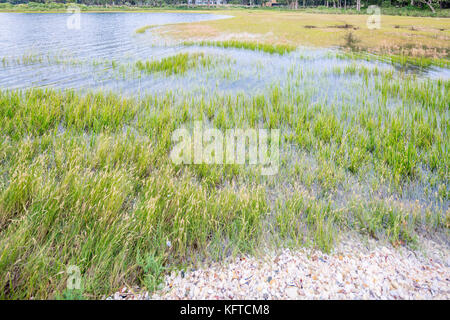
{"type": "Point", "coordinates": [397, 60]}
{"type": "Point", "coordinates": [144, 29]}
{"type": "Point", "coordinates": [32, 58]}
{"type": "Point", "coordinates": [177, 64]}
{"type": "Point", "coordinates": [247, 45]}
{"type": "Point", "coordinates": [86, 180]}
{"type": "Point", "coordinates": [62, 7]}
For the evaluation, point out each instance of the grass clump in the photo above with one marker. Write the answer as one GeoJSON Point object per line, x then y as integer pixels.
{"type": "Point", "coordinates": [144, 28]}
{"type": "Point", "coordinates": [255, 46]}
{"type": "Point", "coordinates": [87, 180]}
{"type": "Point", "coordinates": [177, 64]}
{"type": "Point", "coordinates": [395, 59]}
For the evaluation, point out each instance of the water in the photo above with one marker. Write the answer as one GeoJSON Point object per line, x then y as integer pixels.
{"type": "Point", "coordinates": [38, 50]}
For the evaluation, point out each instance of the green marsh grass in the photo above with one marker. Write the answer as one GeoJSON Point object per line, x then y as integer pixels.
{"type": "Point", "coordinates": [396, 59]}
{"type": "Point", "coordinates": [86, 179]}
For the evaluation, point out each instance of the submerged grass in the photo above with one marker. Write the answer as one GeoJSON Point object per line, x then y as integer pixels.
{"type": "Point", "coordinates": [145, 28]}
{"type": "Point", "coordinates": [396, 60]}
{"type": "Point", "coordinates": [177, 64]}
{"type": "Point", "coordinates": [61, 7]}
{"type": "Point", "coordinates": [86, 180]}
{"type": "Point", "coordinates": [256, 46]}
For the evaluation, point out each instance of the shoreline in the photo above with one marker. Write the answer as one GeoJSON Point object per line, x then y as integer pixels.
{"type": "Point", "coordinates": [355, 270]}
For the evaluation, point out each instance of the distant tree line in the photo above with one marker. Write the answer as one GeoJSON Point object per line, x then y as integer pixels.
{"type": "Point", "coordinates": [293, 4]}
